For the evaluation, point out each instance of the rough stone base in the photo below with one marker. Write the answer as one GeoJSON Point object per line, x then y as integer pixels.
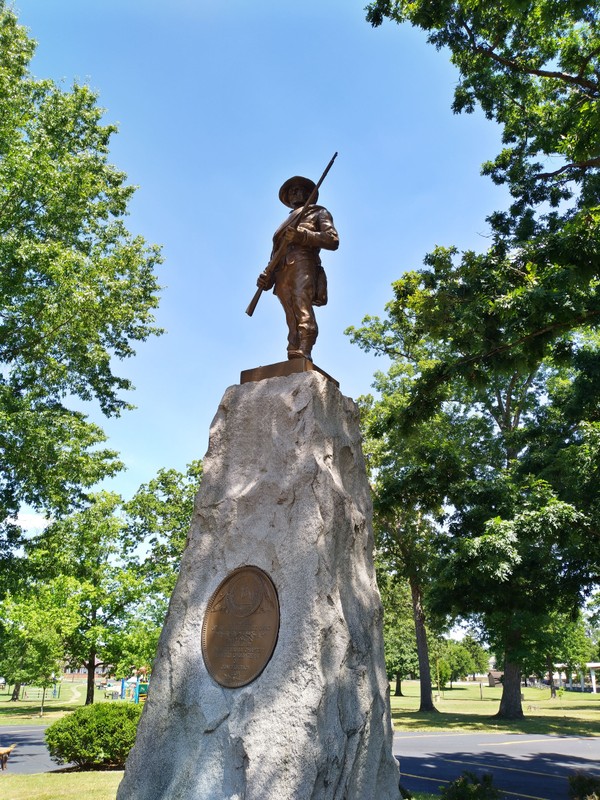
{"type": "Point", "coordinates": [284, 489]}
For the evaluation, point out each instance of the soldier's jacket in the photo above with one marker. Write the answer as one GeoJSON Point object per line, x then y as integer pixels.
{"type": "Point", "coordinates": [319, 233]}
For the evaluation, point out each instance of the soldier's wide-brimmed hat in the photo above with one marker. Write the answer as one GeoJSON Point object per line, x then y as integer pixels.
{"type": "Point", "coordinates": [297, 180]}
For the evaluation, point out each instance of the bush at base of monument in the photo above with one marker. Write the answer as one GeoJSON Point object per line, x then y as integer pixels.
{"type": "Point", "coordinates": [470, 787]}
{"type": "Point", "coordinates": [92, 736]}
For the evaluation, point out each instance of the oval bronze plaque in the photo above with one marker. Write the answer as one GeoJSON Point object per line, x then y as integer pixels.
{"type": "Point", "coordinates": [240, 627]}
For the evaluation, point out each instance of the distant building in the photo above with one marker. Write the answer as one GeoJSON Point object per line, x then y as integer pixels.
{"type": "Point", "coordinates": [495, 677]}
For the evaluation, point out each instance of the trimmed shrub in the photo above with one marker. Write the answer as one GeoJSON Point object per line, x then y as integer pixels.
{"type": "Point", "coordinates": [96, 735]}
{"type": "Point", "coordinates": [583, 786]}
{"type": "Point", "coordinates": [470, 787]}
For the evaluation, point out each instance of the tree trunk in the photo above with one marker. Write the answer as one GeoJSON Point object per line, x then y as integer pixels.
{"type": "Point", "coordinates": [91, 666]}
{"type": "Point", "coordinates": [551, 683]}
{"type": "Point", "coordinates": [510, 702]}
{"type": "Point", "coordinates": [422, 647]}
{"type": "Point", "coordinates": [15, 692]}
{"type": "Point", "coordinates": [398, 692]}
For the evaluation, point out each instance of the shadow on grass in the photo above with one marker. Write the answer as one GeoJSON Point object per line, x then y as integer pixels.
{"type": "Point", "coordinates": [89, 768]}
{"type": "Point", "coordinates": [28, 709]}
{"type": "Point", "coordinates": [557, 724]}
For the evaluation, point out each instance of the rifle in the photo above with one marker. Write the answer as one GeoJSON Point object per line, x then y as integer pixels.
{"type": "Point", "coordinates": [280, 252]}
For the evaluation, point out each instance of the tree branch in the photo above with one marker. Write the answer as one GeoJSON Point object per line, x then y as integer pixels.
{"type": "Point", "coordinates": [586, 61]}
{"type": "Point", "coordinates": [565, 77]}
{"type": "Point", "coordinates": [509, 345]}
{"type": "Point", "coordinates": [591, 162]}
{"type": "Point", "coordinates": [523, 394]}
{"type": "Point", "coordinates": [501, 413]}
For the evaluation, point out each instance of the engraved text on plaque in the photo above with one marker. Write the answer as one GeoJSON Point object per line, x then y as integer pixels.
{"type": "Point", "coordinates": [240, 627]}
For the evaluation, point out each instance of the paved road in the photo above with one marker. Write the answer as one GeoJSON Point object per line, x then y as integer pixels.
{"type": "Point", "coordinates": [30, 754]}
{"type": "Point", "coordinates": [524, 767]}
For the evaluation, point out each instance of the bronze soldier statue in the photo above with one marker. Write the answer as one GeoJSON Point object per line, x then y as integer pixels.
{"type": "Point", "coordinates": [298, 278]}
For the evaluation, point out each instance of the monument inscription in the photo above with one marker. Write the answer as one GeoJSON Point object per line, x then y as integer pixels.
{"type": "Point", "coordinates": [240, 627]}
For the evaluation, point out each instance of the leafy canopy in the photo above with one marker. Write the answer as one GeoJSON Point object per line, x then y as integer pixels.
{"type": "Point", "coordinates": [90, 547]}
{"type": "Point", "coordinates": [532, 66]}
{"type": "Point", "coordinates": [77, 290]}
{"type": "Point", "coordinates": [93, 587]}
{"type": "Point", "coordinates": [490, 409]}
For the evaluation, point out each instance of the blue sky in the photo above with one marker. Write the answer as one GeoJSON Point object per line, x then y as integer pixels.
{"type": "Point", "coordinates": [217, 104]}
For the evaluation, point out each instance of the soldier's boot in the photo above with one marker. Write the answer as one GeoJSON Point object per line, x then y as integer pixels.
{"type": "Point", "coordinates": [306, 346]}
{"type": "Point", "coordinates": [303, 353]}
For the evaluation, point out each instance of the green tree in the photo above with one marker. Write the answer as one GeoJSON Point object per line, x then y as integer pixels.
{"type": "Point", "coordinates": [561, 640]}
{"type": "Point", "coordinates": [121, 560]}
{"type": "Point", "coordinates": [533, 67]}
{"type": "Point", "coordinates": [592, 625]}
{"type": "Point", "coordinates": [90, 547]}
{"type": "Point", "coordinates": [506, 457]}
{"type": "Point", "coordinates": [406, 540]}
{"type": "Point", "coordinates": [441, 671]}
{"type": "Point", "coordinates": [479, 655]}
{"type": "Point", "coordinates": [459, 660]}
{"type": "Point", "coordinates": [159, 517]}
{"type": "Point", "coordinates": [406, 501]}
{"type": "Point", "coordinates": [77, 290]}
{"type": "Point", "coordinates": [135, 649]}
{"type": "Point", "coordinates": [35, 629]}
{"type": "Point", "coordinates": [573, 647]}
{"type": "Point", "coordinates": [501, 347]}
{"type": "Point", "coordinates": [401, 657]}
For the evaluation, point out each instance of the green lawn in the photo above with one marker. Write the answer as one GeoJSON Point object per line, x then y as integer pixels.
{"type": "Point", "coordinates": [77, 785]}
{"type": "Point", "coordinates": [60, 786]}
{"type": "Point", "coordinates": [468, 707]}
{"type": "Point", "coordinates": [27, 711]}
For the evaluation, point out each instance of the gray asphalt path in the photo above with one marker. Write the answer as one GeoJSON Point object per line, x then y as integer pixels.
{"type": "Point", "coordinates": [524, 767]}
{"type": "Point", "coordinates": [30, 755]}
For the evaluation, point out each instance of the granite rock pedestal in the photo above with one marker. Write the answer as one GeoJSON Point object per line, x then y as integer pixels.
{"type": "Point", "coordinates": [285, 490]}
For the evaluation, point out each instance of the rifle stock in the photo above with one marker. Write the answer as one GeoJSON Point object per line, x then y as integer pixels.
{"type": "Point", "coordinates": [272, 265]}
{"type": "Point", "coordinates": [254, 302]}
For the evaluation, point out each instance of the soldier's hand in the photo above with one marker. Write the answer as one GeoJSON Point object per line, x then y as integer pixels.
{"type": "Point", "coordinates": [262, 281]}
{"type": "Point", "coordinates": [294, 235]}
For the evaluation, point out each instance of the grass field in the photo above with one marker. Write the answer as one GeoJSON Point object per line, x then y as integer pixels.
{"type": "Point", "coordinates": [27, 712]}
{"type": "Point", "coordinates": [469, 707]}
{"type": "Point", "coordinates": [77, 786]}
{"type": "Point", "coordinates": [60, 786]}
